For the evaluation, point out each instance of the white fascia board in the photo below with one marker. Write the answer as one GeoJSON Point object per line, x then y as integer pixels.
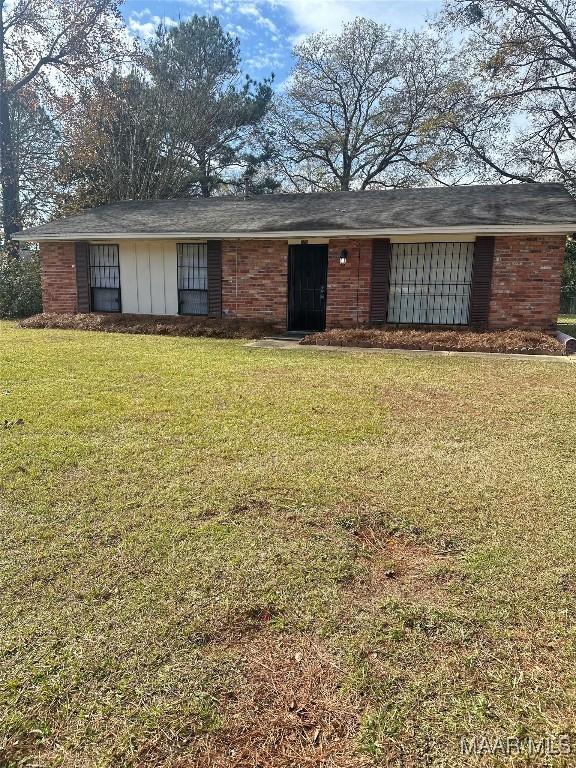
{"type": "Point", "coordinates": [541, 229]}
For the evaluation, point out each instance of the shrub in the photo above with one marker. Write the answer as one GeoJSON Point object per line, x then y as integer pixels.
{"type": "Point", "coordinates": [217, 328]}
{"type": "Point", "coordinates": [20, 290]}
{"type": "Point", "coordinates": [511, 341]}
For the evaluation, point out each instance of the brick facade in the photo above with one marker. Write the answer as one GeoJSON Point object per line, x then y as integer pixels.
{"type": "Point", "coordinates": [526, 281]}
{"type": "Point", "coordinates": [59, 291]}
{"type": "Point", "coordinates": [255, 279]}
{"type": "Point", "coordinates": [348, 289]}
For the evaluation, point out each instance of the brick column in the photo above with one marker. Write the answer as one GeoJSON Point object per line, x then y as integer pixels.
{"type": "Point", "coordinates": [59, 290]}
{"type": "Point", "coordinates": [348, 291]}
{"type": "Point", "coordinates": [526, 281]}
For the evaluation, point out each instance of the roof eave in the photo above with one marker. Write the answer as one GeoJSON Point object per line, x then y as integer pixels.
{"type": "Point", "coordinates": [532, 229]}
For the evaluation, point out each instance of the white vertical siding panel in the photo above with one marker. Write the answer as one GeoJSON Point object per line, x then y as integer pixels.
{"type": "Point", "coordinates": [157, 291]}
{"type": "Point", "coordinates": [128, 276]}
{"type": "Point", "coordinates": [143, 277]}
{"type": "Point", "coordinates": [149, 277]}
{"type": "Point", "coordinates": [171, 278]}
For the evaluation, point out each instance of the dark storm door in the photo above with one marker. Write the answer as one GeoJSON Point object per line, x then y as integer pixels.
{"type": "Point", "coordinates": [307, 273]}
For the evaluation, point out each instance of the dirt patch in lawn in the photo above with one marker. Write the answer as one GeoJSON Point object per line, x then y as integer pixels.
{"type": "Point", "coordinates": [218, 328]}
{"type": "Point", "coordinates": [512, 341]}
{"type": "Point", "coordinates": [288, 709]}
{"type": "Point", "coordinates": [397, 567]}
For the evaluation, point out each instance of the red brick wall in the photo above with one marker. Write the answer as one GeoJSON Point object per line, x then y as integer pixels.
{"type": "Point", "coordinates": [348, 290]}
{"type": "Point", "coordinates": [255, 279]}
{"type": "Point", "coordinates": [526, 281]}
{"type": "Point", "coordinates": [59, 292]}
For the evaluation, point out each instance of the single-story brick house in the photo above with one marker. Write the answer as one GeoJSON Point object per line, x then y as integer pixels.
{"type": "Point", "coordinates": [484, 256]}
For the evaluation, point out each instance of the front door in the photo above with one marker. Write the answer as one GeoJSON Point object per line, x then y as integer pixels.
{"type": "Point", "coordinates": [307, 273]}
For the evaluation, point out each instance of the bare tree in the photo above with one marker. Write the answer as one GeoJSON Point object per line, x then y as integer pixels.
{"type": "Point", "coordinates": [514, 111]}
{"type": "Point", "coordinates": [45, 45]}
{"type": "Point", "coordinates": [357, 109]}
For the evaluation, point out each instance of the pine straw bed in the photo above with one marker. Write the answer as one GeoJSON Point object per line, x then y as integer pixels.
{"type": "Point", "coordinates": [289, 708]}
{"type": "Point", "coordinates": [511, 341]}
{"type": "Point", "coordinates": [161, 325]}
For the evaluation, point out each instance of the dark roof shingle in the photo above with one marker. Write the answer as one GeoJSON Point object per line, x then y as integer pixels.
{"type": "Point", "coordinates": [427, 208]}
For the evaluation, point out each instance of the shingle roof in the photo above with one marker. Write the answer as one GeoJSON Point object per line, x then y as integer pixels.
{"type": "Point", "coordinates": [478, 208]}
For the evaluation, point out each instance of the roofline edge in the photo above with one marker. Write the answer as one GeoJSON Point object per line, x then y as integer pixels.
{"type": "Point", "coordinates": [558, 229]}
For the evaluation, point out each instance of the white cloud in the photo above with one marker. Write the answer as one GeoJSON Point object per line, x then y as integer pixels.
{"type": "Point", "coordinates": [141, 29]}
{"type": "Point", "coordinates": [254, 19]}
{"type": "Point", "coordinates": [329, 15]}
{"type": "Point", "coordinates": [145, 23]}
{"type": "Point", "coordinates": [236, 29]}
{"type": "Point", "coordinates": [264, 60]}
{"type": "Point", "coordinates": [251, 10]}
{"type": "Point", "coordinates": [308, 16]}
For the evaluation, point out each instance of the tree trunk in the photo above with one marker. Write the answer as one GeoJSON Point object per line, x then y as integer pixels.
{"type": "Point", "coordinates": [204, 168]}
{"type": "Point", "coordinates": [11, 213]}
{"type": "Point", "coordinates": [11, 217]}
{"type": "Point", "coordinates": [345, 178]}
{"type": "Point", "coordinates": [204, 187]}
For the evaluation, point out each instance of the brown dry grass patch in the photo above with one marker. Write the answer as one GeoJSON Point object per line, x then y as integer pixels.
{"type": "Point", "coordinates": [400, 568]}
{"type": "Point", "coordinates": [159, 325]}
{"type": "Point", "coordinates": [511, 341]}
{"type": "Point", "coordinates": [288, 709]}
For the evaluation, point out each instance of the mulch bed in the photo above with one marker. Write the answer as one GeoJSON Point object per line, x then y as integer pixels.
{"type": "Point", "coordinates": [511, 341]}
{"type": "Point", "coordinates": [154, 325]}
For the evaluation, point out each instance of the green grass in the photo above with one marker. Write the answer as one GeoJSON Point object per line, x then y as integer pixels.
{"type": "Point", "coordinates": [567, 324]}
{"type": "Point", "coordinates": [180, 518]}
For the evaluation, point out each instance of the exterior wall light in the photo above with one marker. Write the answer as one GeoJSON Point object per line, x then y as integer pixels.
{"type": "Point", "coordinates": [343, 256]}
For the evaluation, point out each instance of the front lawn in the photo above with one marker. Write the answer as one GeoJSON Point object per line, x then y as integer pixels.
{"type": "Point", "coordinates": [216, 556]}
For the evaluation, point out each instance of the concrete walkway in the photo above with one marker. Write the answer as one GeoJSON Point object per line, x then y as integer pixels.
{"type": "Point", "coordinates": [293, 346]}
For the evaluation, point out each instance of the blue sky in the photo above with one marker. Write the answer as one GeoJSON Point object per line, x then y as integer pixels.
{"type": "Point", "coordinates": [269, 28]}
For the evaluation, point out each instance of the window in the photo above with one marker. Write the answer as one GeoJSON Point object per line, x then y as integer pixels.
{"type": "Point", "coordinates": [104, 278]}
{"type": "Point", "coordinates": [192, 279]}
{"type": "Point", "coordinates": [430, 283]}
